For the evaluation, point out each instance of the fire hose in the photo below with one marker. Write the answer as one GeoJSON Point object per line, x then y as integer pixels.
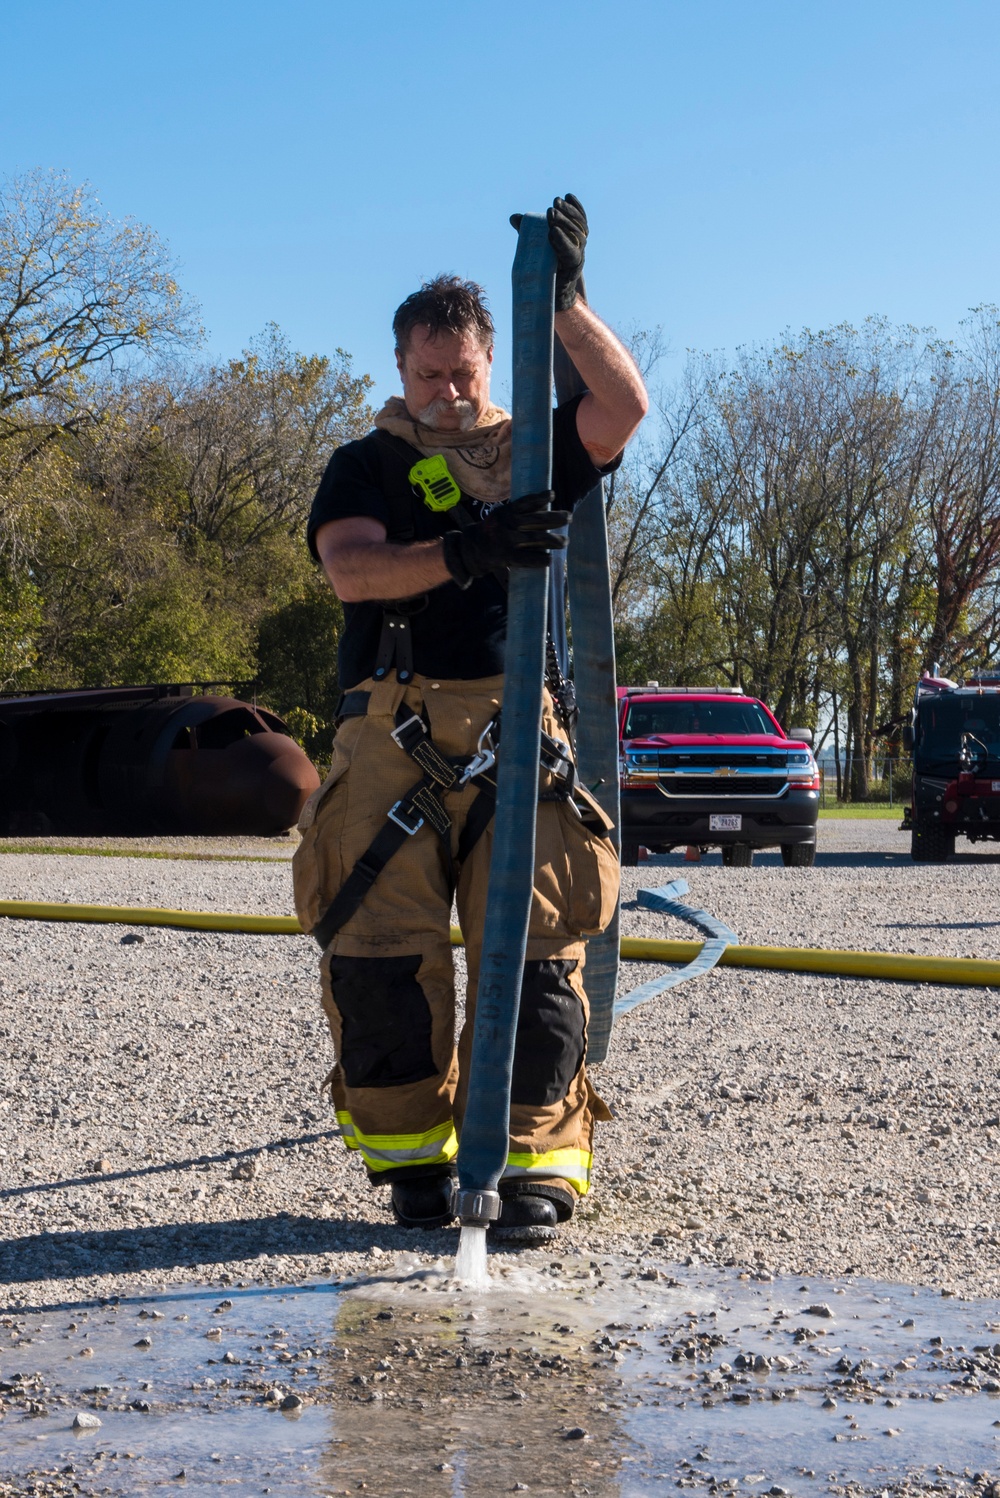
{"type": "Point", "coordinates": [482, 1152]}
{"type": "Point", "coordinates": [719, 939]}
{"type": "Point", "coordinates": [969, 972]}
{"type": "Point", "coordinates": [596, 738]}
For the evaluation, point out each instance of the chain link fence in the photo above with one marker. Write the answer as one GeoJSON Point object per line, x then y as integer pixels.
{"type": "Point", "coordinates": [889, 781]}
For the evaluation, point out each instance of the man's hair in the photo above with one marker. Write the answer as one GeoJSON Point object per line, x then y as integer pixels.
{"type": "Point", "coordinates": [444, 305]}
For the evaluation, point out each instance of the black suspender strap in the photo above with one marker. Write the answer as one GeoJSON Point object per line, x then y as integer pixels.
{"type": "Point", "coordinates": [395, 647]}
{"type": "Point", "coordinates": [412, 737]}
{"type": "Point", "coordinates": [421, 804]}
{"type": "Point", "coordinates": [397, 489]}
{"type": "Point", "coordinates": [404, 819]}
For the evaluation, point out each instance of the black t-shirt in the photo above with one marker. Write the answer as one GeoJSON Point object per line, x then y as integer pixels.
{"type": "Point", "coordinates": [459, 634]}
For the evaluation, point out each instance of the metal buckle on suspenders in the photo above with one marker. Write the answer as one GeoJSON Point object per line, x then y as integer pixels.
{"type": "Point", "coordinates": [410, 826]}
{"type": "Point", "coordinates": [413, 738]}
{"type": "Point", "coordinates": [422, 804]}
{"type": "Point", "coordinates": [402, 735]}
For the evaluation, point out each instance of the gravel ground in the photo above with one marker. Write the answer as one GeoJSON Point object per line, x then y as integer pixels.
{"type": "Point", "coordinates": [162, 1120]}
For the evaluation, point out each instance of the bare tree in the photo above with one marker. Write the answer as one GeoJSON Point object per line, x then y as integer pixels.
{"type": "Point", "coordinates": [639, 489]}
{"type": "Point", "coordinates": [239, 448]}
{"type": "Point", "coordinates": [78, 292]}
{"type": "Point", "coordinates": [771, 450]}
{"type": "Point", "coordinates": [961, 489]}
{"type": "Point", "coordinates": [251, 439]}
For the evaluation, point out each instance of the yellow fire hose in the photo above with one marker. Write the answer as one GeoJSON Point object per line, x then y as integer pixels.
{"type": "Point", "coordinates": [962, 971]}
{"type": "Point", "coordinates": [139, 915]}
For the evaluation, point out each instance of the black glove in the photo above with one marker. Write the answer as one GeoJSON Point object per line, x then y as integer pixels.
{"type": "Point", "coordinates": [568, 237]}
{"type": "Point", "coordinates": [522, 533]}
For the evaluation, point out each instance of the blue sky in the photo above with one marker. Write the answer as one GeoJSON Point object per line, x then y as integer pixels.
{"type": "Point", "coordinates": [747, 165]}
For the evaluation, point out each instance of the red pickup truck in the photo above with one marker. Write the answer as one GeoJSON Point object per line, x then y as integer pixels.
{"type": "Point", "coordinates": [712, 768]}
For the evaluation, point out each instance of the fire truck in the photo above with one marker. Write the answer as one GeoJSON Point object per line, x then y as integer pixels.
{"type": "Point", "coordinates": [954, 737]}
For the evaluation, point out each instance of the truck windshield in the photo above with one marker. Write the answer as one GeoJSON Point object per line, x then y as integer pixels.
{"type": "Point", "coordinates": [685, 716]}
{"type": "Point", "coordinates": [942, 721]}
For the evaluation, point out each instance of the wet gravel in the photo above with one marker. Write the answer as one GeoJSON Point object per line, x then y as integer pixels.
{"type": "Point", "coordinates": [162, 1118]}
{"type": "Point", "coordinates": [573, 1376]}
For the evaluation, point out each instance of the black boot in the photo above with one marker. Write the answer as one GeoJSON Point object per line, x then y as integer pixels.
{"type": "Point", "coordinates": [531, 1211]}
{"type": "Point", "coordinates": [423, 1201]}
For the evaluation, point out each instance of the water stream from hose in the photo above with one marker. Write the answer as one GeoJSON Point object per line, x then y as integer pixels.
{"type": "Point", "coordinates": [470, 1261]}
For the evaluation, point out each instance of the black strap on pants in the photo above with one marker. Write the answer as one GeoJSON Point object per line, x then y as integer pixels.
{"type": "Point", "coordinates": [420, 804]}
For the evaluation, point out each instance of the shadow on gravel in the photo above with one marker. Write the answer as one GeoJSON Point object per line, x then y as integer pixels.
{"type": "Point", "coordinates": [843, 859]}
{"type": "Point", "coordinates": [769, 858]}
{"type": "Point", "coordinates": [901, 860]}
{"type": "Point", "coordinates": [192, 1245]}
{"type": "Point", "coordinates": [166, 1166]}
{"type": "Point", "coordinates": [662, 862]}
{"type": "Point", "coordinates": [937, 925]}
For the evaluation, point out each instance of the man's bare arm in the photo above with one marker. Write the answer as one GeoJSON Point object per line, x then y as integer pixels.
{"type": "Point", "coordinates": [362, 564]}
{"type": "Point", "coordinates": [616, 399]}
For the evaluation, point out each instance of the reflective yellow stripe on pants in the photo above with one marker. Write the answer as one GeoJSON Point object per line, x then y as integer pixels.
{"type": "Point", "coordinates": [439, 1145]}
{"type": "Point", "coordinates": [568, 1165]}
{"type": "Point", "coordinates": [385, 1151]}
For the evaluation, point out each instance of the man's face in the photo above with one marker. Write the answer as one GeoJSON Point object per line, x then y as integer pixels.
{"type": "Point", "coordinates": [446, 379]}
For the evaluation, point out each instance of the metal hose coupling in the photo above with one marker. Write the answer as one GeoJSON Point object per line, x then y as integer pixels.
{"type": "Point", "coordinates": [476, 1209]}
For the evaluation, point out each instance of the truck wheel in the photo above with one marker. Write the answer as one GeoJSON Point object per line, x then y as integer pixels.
{"type": "Point", "coordinates": [737, 856]}
{"type": "Point", "coordinates": [931, 843]}
{"type": "Point", "coordinates": [630, 855]}
{"type": "Point", "coordinates": [798, 855]}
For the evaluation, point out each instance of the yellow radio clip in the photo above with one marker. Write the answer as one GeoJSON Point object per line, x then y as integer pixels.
{"type": "Point", "coordinates": [435, 483]}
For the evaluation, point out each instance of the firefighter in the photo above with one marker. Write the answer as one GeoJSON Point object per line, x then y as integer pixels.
{"type": "Point", "coordinates": [416, 528]}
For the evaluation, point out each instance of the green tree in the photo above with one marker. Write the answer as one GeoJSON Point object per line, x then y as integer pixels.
{"type": "Point", "coordinates": [182, 526]}
{"type": "Point", "coordinates": [297, 661]}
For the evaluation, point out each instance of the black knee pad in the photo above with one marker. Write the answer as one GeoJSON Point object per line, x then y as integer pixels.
{"type": "Point", "coordinates": [551, 1035]}
{"type": "Point", "coordinates": [386, 1021]}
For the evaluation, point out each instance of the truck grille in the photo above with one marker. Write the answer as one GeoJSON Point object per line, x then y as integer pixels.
{"type": "Point", "coordinates": [723, 785]}
{"type": "Point", "coordinates": [737, 759]}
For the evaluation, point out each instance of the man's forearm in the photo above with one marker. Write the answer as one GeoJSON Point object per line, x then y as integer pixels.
{"type": "Point", "coordinates": [363, 570]}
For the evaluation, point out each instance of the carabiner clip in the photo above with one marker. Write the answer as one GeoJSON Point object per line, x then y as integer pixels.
{"type": "Point", "coordinates": [484, 758]}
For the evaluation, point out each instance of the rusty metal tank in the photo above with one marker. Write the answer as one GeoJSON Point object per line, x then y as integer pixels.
{"type": "Point", "coordinates": [142, 761]}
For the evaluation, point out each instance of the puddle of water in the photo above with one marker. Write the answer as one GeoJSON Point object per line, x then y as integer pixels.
{"type": "Point", "coordinates": [894, 1387]}
{"type": "Point", "coordinates": [569, 1376]}
{"type": "Point", "coordinates": [154, 1372]}
{"type": "Point", "coordinates": [191, 1450]}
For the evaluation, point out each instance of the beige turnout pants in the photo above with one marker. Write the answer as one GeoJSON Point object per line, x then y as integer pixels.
{"type": "Point", "coordinates": [387, 976]}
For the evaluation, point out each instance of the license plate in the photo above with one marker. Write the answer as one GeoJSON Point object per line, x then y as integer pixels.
{"type": "Point", "coordinates": [996, 786]}
{"type": "Point", "coordinates": [725, 822]}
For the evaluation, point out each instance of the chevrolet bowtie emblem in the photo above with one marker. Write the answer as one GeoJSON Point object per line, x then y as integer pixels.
{"type": "Point", "coordinates": [725, 770]}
